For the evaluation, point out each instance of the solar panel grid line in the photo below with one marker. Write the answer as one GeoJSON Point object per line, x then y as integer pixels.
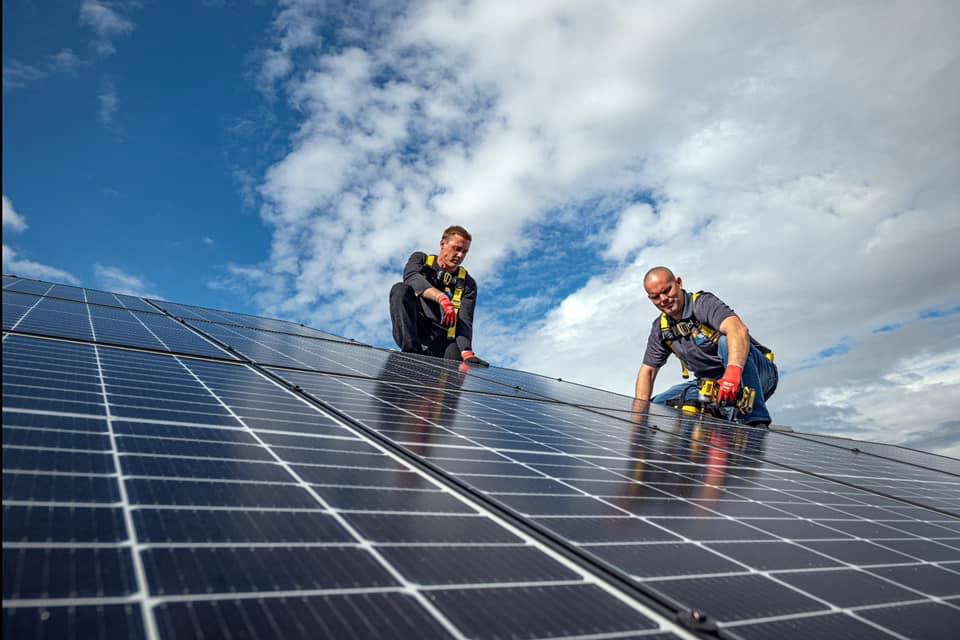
{"type": "Point", "coordinates": [731, 629]}
{"type": "Point", "coordinates": [25, 314]}
{"type": "Point", "coordinates": [408, 586]}
{"type": "Point", "coordinates": [142, 593]}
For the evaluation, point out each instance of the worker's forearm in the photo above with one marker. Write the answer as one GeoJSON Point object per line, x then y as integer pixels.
{"type": "Point", "coordinates": [431, 293]}
{"type": "Point", "coordinates": [738, 346]}
{"type": "Point", "coordinates": [644, 387]}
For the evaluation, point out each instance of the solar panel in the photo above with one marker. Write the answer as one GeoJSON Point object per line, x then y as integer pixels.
{"type": "Point", "coordinates": [198, 488]}
{"type": "Point", "coordinates": [109, 325]}
{"type": "Point", "coordinates": [358, 360]}
{"type": "Point", "coordinates": [904, 479]}
{"type": "Point", "coordinates": [190, 312]}
{"type": "Point", "coordinates": [682, 513]}
{"type": "Point", "coordinates": [155, 486]}
{"type": "Point", "coordinates": [77, 294]}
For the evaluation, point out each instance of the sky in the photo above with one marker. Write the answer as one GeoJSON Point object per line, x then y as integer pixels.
{"type": "Point", "coordinates": [800, 160]}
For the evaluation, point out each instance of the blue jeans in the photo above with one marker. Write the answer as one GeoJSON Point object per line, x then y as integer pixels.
{"type": "Point", "coordinates": [758, 373]}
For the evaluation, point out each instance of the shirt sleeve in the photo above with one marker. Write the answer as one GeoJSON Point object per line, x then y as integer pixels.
{"type": "Point", "coordinates": [465, 319]}
{"type": "Point", "coordinates": [657, 353]}
{"type": "Point", "coordinates": [710, 309]}
{"type": "Point", "coordinates": [413, 273]}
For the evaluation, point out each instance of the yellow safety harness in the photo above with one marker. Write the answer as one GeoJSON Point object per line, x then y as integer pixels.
{"type": "Point", "coordinates": [670, 331]}
{"type": "Point", "coordinates": [456, 293]}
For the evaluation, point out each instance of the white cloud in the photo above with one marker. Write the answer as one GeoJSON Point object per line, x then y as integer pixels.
{"type": "Point", "coordinates": [108, 103]}
{"type": "Point", "coordinates": [18, 74]}
{"type": "Point", "coordinates": [207, 240]}
{"type": "Point", "coordinates": [13, 264]}
{"type": "Point", "coordinates": [117, 280]}
{"type": "Point", "coordinates": [66, 60]}
{"type": "Point", "coordinates": [107, 22]}
{"type": "Point", "coordinates": [11, 219]}
{"type": "Point", "coordinates": [16, 265]}
{"type": "Point", "coordinates": [802, 163]}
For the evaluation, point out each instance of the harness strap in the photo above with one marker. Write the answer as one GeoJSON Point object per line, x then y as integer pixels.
{"type": "Point", "coordinates": [669, 330]}
{"type": "Point", "coordinates": [455, 294]}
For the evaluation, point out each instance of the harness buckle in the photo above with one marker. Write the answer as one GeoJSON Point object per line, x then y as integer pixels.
{"type": "Point", "coordinates": [684, 328]}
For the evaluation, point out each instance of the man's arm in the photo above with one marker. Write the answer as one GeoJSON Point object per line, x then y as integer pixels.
{"type": "Point", "coordinates": [413, 276]}
{"type": "Point", "coordinates": [465, 319]}
{"type": "Point", "coordinates": [738, 340]}
{"type": "Point", "coordinates": [738, 346]}
{"type": "Point", "coordinates": [645, 379]}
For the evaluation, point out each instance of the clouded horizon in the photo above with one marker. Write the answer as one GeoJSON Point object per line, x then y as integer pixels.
{"type": "Point", "coordinates": [800, 161]}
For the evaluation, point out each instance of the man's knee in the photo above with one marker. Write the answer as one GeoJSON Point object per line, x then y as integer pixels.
{"type": "Point", "coordinates": [401, 292]}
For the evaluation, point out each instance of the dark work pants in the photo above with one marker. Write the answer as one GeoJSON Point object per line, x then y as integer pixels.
{"type": "Point", "coordinates": [413, 330]}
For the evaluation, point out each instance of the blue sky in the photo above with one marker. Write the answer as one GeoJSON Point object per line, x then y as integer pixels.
{"type": "Point", "coordinates": [285, 158]}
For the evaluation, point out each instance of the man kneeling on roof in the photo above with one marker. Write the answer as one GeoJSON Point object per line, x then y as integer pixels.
{"type": "Point", "coordinates": [432, 309]}
{"type": "Point", "coordinates": [709, 338]}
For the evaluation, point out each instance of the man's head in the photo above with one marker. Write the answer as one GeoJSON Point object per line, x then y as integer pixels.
{"type": "Point", "coordinates": [665, 291]}
{"type": "Point", "coordinates": [454, 245]}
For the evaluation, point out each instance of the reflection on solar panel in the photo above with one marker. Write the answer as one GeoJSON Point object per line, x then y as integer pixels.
{"type": "Point", "coordinates": [229, 476]}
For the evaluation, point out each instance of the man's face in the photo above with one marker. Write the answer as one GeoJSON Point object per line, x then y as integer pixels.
{"type": "Point", "coordinates": [666, 294]}
{"type": "Point", "coordinates": [452, 252]}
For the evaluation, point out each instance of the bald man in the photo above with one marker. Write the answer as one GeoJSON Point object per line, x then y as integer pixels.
{"type": "Point", "coordinates": [709, 339]}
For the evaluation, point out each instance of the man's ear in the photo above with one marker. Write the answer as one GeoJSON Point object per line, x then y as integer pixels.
{"type": "Point", "coordinates": [679, 282]}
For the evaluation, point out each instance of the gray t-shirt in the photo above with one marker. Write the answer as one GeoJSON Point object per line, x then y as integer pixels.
{"type": "Point", "coordinates": [701, 356]}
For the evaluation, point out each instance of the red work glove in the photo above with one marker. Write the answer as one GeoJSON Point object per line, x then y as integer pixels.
{"type": "Point", "coordinates": [469, 357]}
{"type": "Point", "coordinates": [449, 311]}
{"type": "Point", "coordinates": [729, 384]}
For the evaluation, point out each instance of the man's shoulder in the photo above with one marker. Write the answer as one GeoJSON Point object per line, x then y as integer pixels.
{"type": "Point", "coordinates": [706, 298]}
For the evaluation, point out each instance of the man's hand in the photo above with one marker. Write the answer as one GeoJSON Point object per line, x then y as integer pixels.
{"type": "Point", "coordinates": [449, 311]}
{"type": "Point", "coordinates": [470, 358]}
{"type": "Point", "coordinates": [729, 384]}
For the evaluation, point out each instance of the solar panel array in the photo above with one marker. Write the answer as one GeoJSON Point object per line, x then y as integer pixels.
{"type": "Point", "coordinates": [172, 471]}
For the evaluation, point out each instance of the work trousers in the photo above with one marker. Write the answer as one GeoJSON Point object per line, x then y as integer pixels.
{"type": "Point", "coordinates": [415, 330]}
{"type": "Point", "coordinates": [758, 373]}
